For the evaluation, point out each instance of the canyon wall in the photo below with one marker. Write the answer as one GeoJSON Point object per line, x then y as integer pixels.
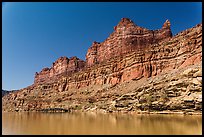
{"type": "Point", "coordinates": [170, 53]}
{"type": "Point", "coordinates": [131, 56]}
{"type": "Point", "coordinates": [126, 38]}
{"type": "Point", "coordinates": [62, 66]}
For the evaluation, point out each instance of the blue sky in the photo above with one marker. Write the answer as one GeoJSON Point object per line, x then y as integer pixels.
{"type": "Point", "coordinates": [35, 34]}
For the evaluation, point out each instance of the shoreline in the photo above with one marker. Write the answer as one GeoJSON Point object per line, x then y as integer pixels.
{"type": "Point", "coordinates": [147, 112]}
{"type": "Point", "coordinates": [167, 112]}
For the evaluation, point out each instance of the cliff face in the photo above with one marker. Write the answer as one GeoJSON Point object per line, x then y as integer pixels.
{"type": "Point", "coordinates": [126, 38]}
{"type": "Point", "coordinates": [129, 57]}
{"type": "Point", "coordinates": [62, 66]}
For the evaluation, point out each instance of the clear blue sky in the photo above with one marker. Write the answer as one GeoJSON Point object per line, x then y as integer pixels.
{"type": "Point", "coordinates": [36, 34]}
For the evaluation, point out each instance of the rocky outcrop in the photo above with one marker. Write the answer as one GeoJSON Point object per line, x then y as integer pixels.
{"type": "Point", "coordinates": [180, 51]}
{"type": "Point", "coordinates": [154, 72]}
{"type": "Point", "coordinates": [178, 91]}
{"type": "Point", "coordinates": [175, 91]}
{"type": "Point", "coordinates": [127, 37]}
{"type": "Point", "coordinates": [62, 66]}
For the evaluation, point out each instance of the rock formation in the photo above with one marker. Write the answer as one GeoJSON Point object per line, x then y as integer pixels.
{"type": "Point", "coordinates": [134, 69]}
{"type": "Point", "coordinates": [62, 66]}
{"type": "Point", "coordinates": [126, 38]}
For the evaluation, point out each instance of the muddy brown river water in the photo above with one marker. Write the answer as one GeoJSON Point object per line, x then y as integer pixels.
{"type": "Point", "coordinates": [37, 123]}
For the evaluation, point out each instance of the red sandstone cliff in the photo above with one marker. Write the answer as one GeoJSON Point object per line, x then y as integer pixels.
{"type": "Point", "coordinates": [133, 69]}
{"type": "Point", "coordinates": [62, 66]}
{"type": "Point", "coordinates": [126, 38]}
{"type": "Point", "coordinates": [130, 52]}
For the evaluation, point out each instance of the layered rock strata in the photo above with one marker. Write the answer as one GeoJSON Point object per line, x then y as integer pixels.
{"type": "Point", "coordinates": [62, 66]}
{"type": "Point", "coordinates": [98, 83]}
{"type": "Point", "coordinates": [126, 38]}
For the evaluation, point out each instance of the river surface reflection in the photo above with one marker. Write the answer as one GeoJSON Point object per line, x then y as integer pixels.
{"type": "Point", "coordinates": [95, 123]}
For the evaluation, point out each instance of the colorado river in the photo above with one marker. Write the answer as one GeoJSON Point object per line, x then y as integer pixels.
{"type": "Point", "coordinates": [97, 123]}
